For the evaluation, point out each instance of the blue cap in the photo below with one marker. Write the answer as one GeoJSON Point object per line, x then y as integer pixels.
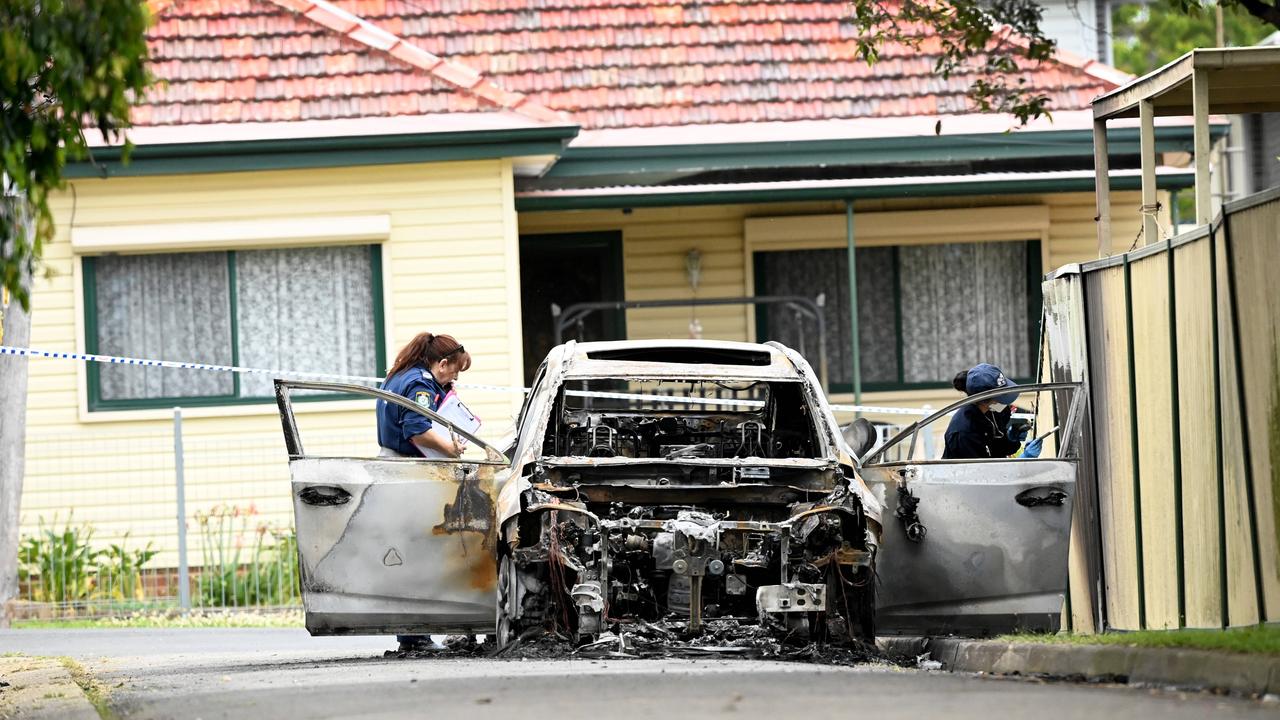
{"type": "Point", "coordinates": [985, 377]}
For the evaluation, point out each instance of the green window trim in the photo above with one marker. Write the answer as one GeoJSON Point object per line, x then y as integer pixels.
{"type": "Point", "coordinates": [1035, 302]}
{"type": "Point", "coordinates": [93, 369]}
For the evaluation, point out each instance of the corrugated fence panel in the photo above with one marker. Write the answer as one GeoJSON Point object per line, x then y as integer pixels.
{"type": "Point", "coordinates": [1209, 415]}
{"type": "Point", "coordinates": [1109, 364]}
{"type": "Point", "coordinates": [1255, 245]}
{"type": "Point", "coordinates": [1241, 602]}
{"type": "Point", "coordinates": [1194, 305]}
{"type": "Point", "coordinates": [1150, 295]}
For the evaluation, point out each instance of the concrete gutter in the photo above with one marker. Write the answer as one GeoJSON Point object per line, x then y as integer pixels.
{"type": "Point", "coordinates": [42, 687]}
{"type": "Point", "coordinates": [1172, 667]}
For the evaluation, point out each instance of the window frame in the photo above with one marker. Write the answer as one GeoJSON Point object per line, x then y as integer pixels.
{"type": "Point", "coordinates": [95, 403]}
{"type": "Point", "coordinates": [1035, 303]}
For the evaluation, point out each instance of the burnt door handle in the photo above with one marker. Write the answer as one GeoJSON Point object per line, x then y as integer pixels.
{"type": "Point", "coordinates": [324, 495]}
{"type": "Point", "coordinates": [1035, 497]}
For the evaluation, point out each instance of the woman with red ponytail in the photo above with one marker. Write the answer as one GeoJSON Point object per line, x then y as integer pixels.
{"type": "Point", "coordinates": [424, 372]}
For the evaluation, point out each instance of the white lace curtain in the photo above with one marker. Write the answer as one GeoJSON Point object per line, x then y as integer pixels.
{"type": "Point", "coordinates": [960, 304]}
{"type": "Point", "coordinates": [810, 272]}
{"type": "Point", "coordinates": [963, 304]}
{"type": "Point", "coordinates": [171, 307]}
{"type": "Point", "coordinates": [308, 310]}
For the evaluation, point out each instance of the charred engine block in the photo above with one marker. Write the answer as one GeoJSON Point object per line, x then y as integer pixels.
{"type": "Point", "coordinates": [806, 574]}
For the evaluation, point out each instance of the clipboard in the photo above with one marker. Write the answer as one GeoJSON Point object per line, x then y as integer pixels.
{"type": "Point", "coordinates": [453, 410]}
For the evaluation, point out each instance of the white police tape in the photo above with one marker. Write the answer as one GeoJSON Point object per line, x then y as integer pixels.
{"type": "Point", "coordinates": [141, 362]}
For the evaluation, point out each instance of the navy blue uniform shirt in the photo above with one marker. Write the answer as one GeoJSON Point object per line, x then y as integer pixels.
{"type": "Point", "coordinates": [975, 434]}
{"type": "Point", "coordinates": [397, 424]}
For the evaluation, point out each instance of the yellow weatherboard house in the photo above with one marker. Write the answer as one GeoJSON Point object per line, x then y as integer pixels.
{"type": "Point", "coordinates": [313, 183]}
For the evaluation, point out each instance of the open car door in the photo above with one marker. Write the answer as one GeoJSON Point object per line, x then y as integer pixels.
{"type": "Point", "coordinates": [975, 547]}
{"type": "Point", "coordinates": [390, 544]}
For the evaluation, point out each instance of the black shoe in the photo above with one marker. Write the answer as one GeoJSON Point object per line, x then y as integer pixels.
{"type": "Point", "coordinates": [414, 643]}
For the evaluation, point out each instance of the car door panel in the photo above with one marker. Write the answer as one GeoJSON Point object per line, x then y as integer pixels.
{"type": "Point", "coordinates": [393, 544]}
{"type": "Point", "coordinates": [412, 550]}
{"type": "Point", "coordinates": [987, 563]}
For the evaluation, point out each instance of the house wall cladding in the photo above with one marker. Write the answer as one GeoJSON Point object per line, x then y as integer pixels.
{"type": "Point", "coordinates": [656, 241]}
{"type": "Point", "coordinates": [1184, 372]}
{"type": "Point", "coordinates": [449, 265]}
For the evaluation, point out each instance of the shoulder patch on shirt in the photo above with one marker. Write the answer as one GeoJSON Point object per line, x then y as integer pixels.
{"type": "Point", "coordinates": [423, 398]}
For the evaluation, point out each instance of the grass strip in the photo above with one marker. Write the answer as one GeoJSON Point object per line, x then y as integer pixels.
{"type": "Point", "coordinates": [93, 690]}
{"type": "Point", "coordinates": [193, 619]}
{"type": "Point", "coordinates": [1253, 640]}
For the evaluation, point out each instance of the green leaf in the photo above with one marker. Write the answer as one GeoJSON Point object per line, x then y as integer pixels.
{"type": "Point", "coordinates": [45, 48]}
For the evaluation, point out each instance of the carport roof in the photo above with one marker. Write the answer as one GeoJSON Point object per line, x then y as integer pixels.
{"type": "Point", "coordinates": [1240, 80]}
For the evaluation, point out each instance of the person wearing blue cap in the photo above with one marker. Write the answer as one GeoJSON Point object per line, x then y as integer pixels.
{"type": "Point", "coordinates": [983, 430]}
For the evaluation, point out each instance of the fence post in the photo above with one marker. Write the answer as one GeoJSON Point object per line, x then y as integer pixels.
{"type": "Point", "coordinates": [184, 572]}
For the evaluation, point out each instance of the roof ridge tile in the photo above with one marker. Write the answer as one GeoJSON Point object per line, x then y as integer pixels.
{"type": "Point", "coordinates": [466, 78]}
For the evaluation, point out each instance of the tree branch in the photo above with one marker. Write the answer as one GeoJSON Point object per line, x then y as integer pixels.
{"type": "Point", "coordinates": [1262, 11]}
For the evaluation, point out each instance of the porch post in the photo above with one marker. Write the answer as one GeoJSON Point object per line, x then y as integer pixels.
{"type": "Point", "coordinates": [1200, 112]}
{"type": "Point", "coordinates": [853, 302]}
{"type": "Point", "coordinates": [1102, 186]}
{"type": "Point", "coordinates": [1147, 144]}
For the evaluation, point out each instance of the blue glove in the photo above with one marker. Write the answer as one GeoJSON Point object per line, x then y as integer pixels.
{"type": "Point", "coordinates": [1017, 431]}
{"type": "Point", "coordinates": [1032, 449]}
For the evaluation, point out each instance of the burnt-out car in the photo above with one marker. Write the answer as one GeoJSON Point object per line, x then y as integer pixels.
{"type": "Point", "coordinates": [671, 482]}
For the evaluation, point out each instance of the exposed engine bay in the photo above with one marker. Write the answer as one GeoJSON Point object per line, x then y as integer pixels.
{"type": "Point", "coordinates": [731, 420]}
{"type": "Point", "coordinates": [655, 512]}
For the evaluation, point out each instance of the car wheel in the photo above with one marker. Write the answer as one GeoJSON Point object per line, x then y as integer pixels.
{"type": "Point", "coordinates": [506, 623]}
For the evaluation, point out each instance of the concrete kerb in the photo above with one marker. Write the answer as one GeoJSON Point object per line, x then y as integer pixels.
{"type": "Point", "coordinates": [41, 687]}
{"type": "Point", "coordinates": [1172, 667]}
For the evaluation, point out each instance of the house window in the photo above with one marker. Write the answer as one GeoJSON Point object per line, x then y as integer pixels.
{"type": "Point", "coordinates": [925, 312]}
{"type": "Point", "coordinates": [304, 309]}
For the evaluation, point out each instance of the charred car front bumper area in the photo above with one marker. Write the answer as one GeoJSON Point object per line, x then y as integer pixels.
{"type": "Point", "coordinates": [590, 553]}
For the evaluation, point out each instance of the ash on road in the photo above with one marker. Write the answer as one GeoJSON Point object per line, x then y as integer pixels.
{"type": "Point", "coordinates": [284, 673]}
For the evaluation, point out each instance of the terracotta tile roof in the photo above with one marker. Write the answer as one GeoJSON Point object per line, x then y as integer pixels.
{"type": "Point", "coordinates": [606, 64]}
{"type": "Point", "coordinates": [225, 61]}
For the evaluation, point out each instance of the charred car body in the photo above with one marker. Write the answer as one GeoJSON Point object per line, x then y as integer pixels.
{"type": "Point", "coordinates": [731, 499]}
{"type": "Point", "coordinates": [678, 481]}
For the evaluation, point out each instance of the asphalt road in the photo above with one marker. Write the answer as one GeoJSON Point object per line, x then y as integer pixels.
{"type": "Point", "coordinates": [283, 673]}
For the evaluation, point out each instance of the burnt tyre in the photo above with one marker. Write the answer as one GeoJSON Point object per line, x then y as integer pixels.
{"type": "Point", "coordinates": [506, 623]}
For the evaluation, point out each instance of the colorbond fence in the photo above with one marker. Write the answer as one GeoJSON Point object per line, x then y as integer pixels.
{"type": "Point", "coordinates": [1178, 517]}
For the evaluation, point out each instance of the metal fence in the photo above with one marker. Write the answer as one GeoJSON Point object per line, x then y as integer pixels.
{"type": "Point", "coordinates": [1178, 517]}
{"type": "Point", "coordinates": [116, 522]}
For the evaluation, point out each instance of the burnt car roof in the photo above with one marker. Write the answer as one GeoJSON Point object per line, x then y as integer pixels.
{"type": "Point", "coordinates": [693, 359]}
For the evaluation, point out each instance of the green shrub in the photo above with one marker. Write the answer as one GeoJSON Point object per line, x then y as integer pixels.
{"type": "Point", "coordinates": [245, 565]}
{"type": "Point", "coordinates": [59, 565]}
{"type": "Point", "coordinates": [119, 572]}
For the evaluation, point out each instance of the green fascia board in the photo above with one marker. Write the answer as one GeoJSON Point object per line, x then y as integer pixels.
{"type": "Point", "coordinates": [304, 153]}
{"type": "Point", "coordinates": [925, 189]}
{"type": "Point", "coordinates": [687, 159]}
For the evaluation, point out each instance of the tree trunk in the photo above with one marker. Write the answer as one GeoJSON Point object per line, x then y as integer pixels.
{"type": "Point", "coordinates": [13, 424]}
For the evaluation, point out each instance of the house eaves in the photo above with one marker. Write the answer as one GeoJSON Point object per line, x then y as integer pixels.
{"type": "Point", "coordinates": [537, 147]}
{"type": "Point", "coordinates": [654, 164]}
{"type": "Point", "coordinates": [848, 189]}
